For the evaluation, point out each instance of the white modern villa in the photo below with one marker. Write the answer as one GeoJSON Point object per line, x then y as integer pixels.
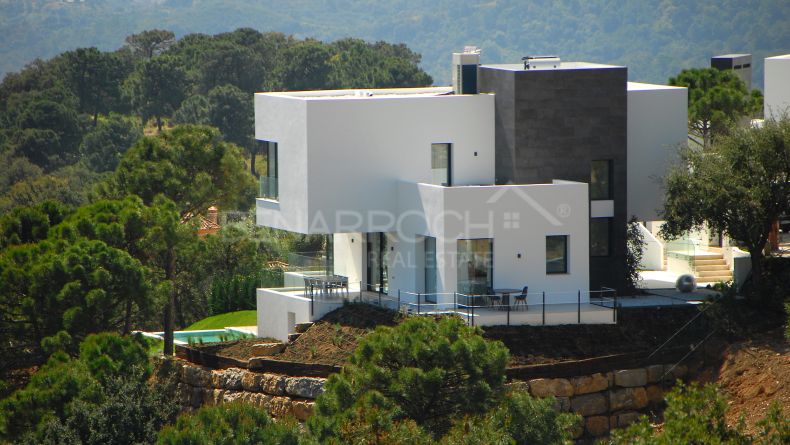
{"type": "Point", "coordinates": [456, 199]}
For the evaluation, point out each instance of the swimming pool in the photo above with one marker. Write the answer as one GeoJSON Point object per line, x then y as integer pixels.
{"type": "Point", "coordinates": [206, 336]}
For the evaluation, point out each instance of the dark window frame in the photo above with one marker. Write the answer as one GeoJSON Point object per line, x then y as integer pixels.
{"type": "Point", "coordinates": [269, 184]}
{"type": "Point", "coordinates": [610, 179]}
{"type": "Point", "coordinates": [565, 267]}
{"type": "Point", "coordinates": [449, 162]}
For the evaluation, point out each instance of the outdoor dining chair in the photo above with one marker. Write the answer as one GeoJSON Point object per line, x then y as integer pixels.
{"type": "Point", "coordinates": [522, 298]}
{"type": "Point", "coordinates": [494, 298]}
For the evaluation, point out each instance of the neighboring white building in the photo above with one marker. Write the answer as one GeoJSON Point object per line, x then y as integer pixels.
{"type": "Point", "coordinates": [402, 181]}
{"type": "Point", "coordinates": [777, 86]}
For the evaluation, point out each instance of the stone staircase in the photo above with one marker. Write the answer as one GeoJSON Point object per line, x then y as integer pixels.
{"type": "Point", "coordinates": [711, 268]}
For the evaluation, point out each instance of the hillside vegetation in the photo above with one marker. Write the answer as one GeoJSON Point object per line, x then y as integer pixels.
{"type": "Point", "coordinates": [655, 39]}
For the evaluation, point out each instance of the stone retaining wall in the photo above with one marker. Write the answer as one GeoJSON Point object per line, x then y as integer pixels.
{"type": "Point", "coordinates": [606, 400]}
{"type": "Point", "coordinates": [603, 400]}
{"type": "Point", "coordinates": [281, 395]}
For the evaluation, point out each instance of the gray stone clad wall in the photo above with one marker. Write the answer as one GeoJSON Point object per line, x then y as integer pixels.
{"type": "Point", "coordinates": [550, 124]}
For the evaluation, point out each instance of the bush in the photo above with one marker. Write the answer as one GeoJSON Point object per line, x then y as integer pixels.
{"type": "Point", "coordinates": [426, 371]}
{"type": "Point", "coordinates": [103, 396]}
{"type": "Point", "coordinates": [696, 415]}
{"type": "Point", "coordinates": [232, 424]}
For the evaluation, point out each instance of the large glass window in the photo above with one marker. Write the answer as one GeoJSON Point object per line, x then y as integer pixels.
{"type": "Point", "coordinates": [475, 266]}
{"type": "Point", "coordinates": [557, 254]}
{"type": "Point", "coordinates": [601, 179]}
{"type": "Point", "coordinates": [268, 183]}
{"type": "Point", "coordinates": [441, 158]}
{"type": "Point", "coordinates": [430, 269]}
{"type": "Point", "coordinates": [600, 235]}
{"type": "Point", "coordinates": [377, 262]}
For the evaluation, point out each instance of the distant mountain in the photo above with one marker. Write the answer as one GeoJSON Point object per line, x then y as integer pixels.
{"type": "Point", "coordinates": [655, 39]}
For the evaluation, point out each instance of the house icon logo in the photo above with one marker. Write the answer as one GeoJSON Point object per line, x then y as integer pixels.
{"type": "Point", "coordinates": [511, 219]}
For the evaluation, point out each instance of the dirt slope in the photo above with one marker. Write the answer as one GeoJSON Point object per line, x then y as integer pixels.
{"type": "Point", "coordinates": [753, 375]}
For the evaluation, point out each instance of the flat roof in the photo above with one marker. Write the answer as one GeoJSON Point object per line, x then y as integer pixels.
{"type": "Point", "coordinates": [361, 93]}
{"type": "Point", "coordinates": [563, 66]}
{"type": "Point", "coordinates": [639, 86]}
{"type": "Point", "coordinates": [785, 56]}
{"type": "Point", "coordinates": [730, 56]}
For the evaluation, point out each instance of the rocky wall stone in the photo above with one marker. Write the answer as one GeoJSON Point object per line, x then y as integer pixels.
{"type": "Point", "coordinates": [654, 373]}
{"type": "Point", "coordinates": [589, 404]}
{"type": "Point", "coordinates": [596, 425]}
{"type": "Point", "coordinates": [195, 376]}
{"type": "Point", "coordinates": [264, 349]}
{"type": "Point", "coordinates": [279, 406]}
{"type": "Point", "coordinates": [273, 384]}
{"type": "Point", "coordinates": [624, 419]}
{"type": "Point", "coordinates": [550, 387]}
{"type": "Point", "coordinates": [251, 381]}
{"type": "Point", "coordinates": [655, 394]}
{"type": "Point", "coordinates": [307, 387]}
{"type": "Point", "coordinates": [627, 399]}
{"type": "Point", "coordinates": [589, 384]}
{"type": "Point", "coordinates": [229, 379]}
{"type": "Point", "coordinates": [629, 378]}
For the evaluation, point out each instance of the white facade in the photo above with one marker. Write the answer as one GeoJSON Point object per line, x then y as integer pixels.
{"type": "Point", "coordinates": [777, 86]}
{"type": "Point", "coordinates": [657, 129]}
{"type": "Point", "coordinates": [341, 155]}
{"type": "Point", "coordinates": [355, 163]}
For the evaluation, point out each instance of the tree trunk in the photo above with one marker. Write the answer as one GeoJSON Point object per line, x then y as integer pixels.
{"type": "Point", "coordinates": [159, 124]}
{"type": "Point", "coordinates": [169, 307]}
{"type": "Point", "coordinates": [95, 118]}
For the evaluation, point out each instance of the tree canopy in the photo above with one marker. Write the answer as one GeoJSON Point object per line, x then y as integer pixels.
{"type": "Point", "coordinates": [101, 396]}
{"type": "Point", "coordinates": [738, 187]}
{"type": "Point", "coordinates": [717, 100]}
{"type": "Point", "coordinates": [191, 165]}
{"type": "Point", "coordinates": [427, 371]}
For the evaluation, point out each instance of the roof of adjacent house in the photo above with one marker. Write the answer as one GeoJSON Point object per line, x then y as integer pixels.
{"type": "Point", "coordinates": [370, 93]}
{"type": "Point", "coordinates": [563, 66]}
{"type": "Point", "coordinates": [639, 86]}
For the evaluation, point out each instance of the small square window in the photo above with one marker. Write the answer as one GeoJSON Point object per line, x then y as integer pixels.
{"type": "Point", "coordinates": [557, 254]}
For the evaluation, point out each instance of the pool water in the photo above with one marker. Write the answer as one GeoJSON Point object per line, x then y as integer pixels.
{"type": "Point", "coordinates": [207, 336]}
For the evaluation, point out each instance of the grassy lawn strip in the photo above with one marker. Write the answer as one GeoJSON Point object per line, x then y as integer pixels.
{"type": "Point", "coordinates": [238, 318]}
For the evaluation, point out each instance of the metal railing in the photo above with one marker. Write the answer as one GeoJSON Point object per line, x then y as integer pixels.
{"type": "Point", "coordinates": [534, 308]}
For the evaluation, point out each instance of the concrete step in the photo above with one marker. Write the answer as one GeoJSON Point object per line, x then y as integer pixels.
{"type": "Point", "coordinates": [701, 267]}
{"type": "Point", "coordinates": [709, 262]}
{"type": "Point", "coordinates": [713, 273]}
{"type": "Point", "coordinates": [714, 279]}
{"type": "Point", "coordinates": [292, 337]}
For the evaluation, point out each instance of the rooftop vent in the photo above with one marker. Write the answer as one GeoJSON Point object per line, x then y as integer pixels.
{"type": "Point", "coordinates": [540, 62]}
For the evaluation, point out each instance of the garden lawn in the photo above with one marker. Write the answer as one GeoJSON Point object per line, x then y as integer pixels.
{"type": "Point", "coordinates": [238, 318]}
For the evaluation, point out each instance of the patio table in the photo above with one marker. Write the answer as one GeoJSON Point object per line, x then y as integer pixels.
{"type": "Point", "coordinates": [506, 296]}
{"type": "Point", "coordinates": [328, 282]}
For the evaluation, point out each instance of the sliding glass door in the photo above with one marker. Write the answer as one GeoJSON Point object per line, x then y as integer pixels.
{"type": "Point", "coordinates": [475, 266]}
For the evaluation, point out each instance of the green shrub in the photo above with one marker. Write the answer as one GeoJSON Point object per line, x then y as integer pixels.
{"type": "Point", "coordinates": [696, 415]}
{"type": "Point", "coordinates": [429, 372]}
{"type": "Point", "coordinates": [232, 424]}
{"type": "Point", "coordinates": [103, 396]}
